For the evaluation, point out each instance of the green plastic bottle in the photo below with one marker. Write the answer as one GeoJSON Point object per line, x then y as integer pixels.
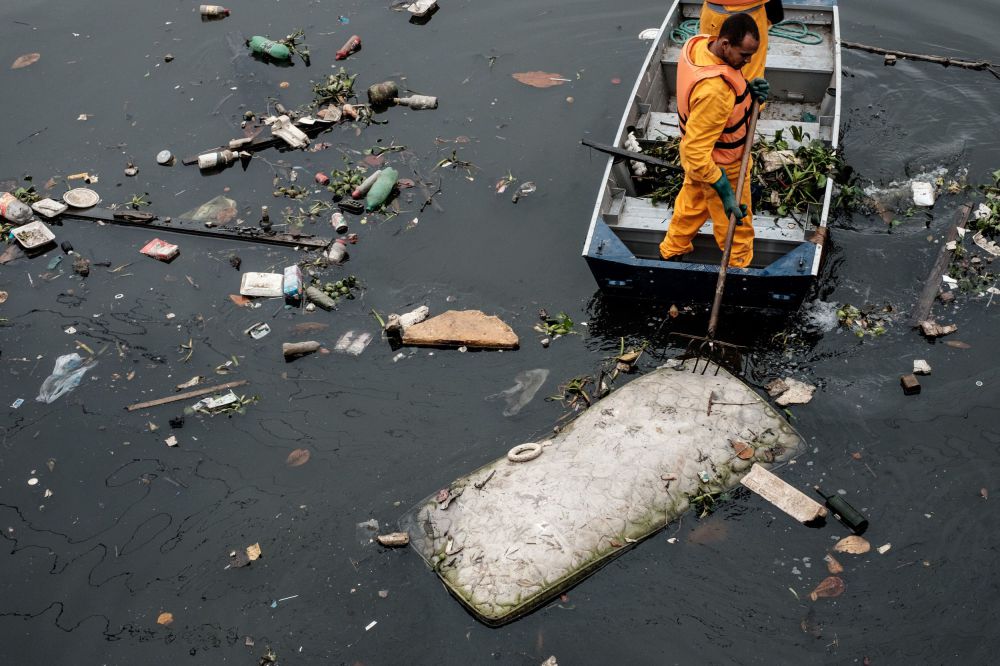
{"type": "Point", "coordinates": [263, 46]}
{"type": "Point", "coordinates": [381, 189]}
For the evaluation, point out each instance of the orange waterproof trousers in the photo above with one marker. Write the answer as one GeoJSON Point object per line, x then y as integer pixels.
{"type": "Point", "coordinates": [711, 23]}
{"type": "Point", "coordinates": [696, 203]}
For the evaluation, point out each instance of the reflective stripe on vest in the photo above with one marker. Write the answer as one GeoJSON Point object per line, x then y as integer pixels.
{"type": "Point", "coordinates": [729, 148]}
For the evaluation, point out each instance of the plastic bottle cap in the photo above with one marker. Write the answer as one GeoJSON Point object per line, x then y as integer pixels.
{"type": "Point", "coordinates": [164, 157]}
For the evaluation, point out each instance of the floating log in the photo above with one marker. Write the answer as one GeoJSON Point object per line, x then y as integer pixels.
{"type": "Point", "coordinates": [922, 310]}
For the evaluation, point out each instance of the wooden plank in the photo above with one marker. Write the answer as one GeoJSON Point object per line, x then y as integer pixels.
{"type": "Point", "coordinates": [922, 310]}
{"type": "Point", "coordinates": [149, 221]}
{"type": "Point", "coordinates": [787, 498]}
{"type": "Point", "coordinates": [184, 396]}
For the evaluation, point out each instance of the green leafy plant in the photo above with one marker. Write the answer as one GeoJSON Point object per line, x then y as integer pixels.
{"type": "Point", "coordinates": [27, 195]}
{"type": "Point", "coordinates": [864, 323]}
{"type": "Point", "coordinates": [335, 88]}
{"type": "Point", "coordinates": [138, 201]}
{"type": "Point", "coordinates": [791, 188]}
{"type": "Point", "coordinates": [989, 224]}
{"type": "Point", "coordinates": [560, 325]}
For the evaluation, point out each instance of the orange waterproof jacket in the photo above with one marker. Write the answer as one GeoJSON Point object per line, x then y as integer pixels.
{"type": "Point", "coordinates": [730, 144]}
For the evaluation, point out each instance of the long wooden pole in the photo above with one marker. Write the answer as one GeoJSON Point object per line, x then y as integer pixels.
{"type": "Point", "coordinates": [941, 60]}
{"type": "Point", "coordinates": [185, 396]}
{"type": "Point", "coordinates": [720, 285]}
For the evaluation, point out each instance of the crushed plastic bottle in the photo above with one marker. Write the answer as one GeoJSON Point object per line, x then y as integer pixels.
{"type": "Point", "coordinates": [418, 102]}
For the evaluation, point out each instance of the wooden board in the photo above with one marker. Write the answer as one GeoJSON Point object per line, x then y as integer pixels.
{"type": "Point", "coordinates": [787, 498]}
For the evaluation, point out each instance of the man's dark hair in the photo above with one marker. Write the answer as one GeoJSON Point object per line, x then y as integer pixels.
{"type": "Point", "coordinates": [737, 27]}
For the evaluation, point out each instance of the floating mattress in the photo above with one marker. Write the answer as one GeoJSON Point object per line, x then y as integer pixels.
{"type": "Point", "coordinates": [510, 536]}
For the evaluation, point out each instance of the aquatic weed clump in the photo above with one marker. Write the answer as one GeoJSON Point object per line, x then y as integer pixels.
{"type": "Point", "coordinates": [784, 181]}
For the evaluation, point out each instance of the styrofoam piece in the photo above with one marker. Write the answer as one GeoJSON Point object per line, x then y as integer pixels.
{"type": "Point", "coordinates": [34, 234]}
{"type": "Point", "coordinates": [923, 193]}
{"type": "Point", "coordinates": [49, 207]}
{"type": "Point", "coordinates": [261, 284]}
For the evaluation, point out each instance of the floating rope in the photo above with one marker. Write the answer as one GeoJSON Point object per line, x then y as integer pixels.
{"type": "Point", "coordinates": [795, 31]}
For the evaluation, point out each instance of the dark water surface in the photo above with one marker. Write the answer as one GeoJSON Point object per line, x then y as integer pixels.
{"type": "Point", "coordinates": [134, 528]}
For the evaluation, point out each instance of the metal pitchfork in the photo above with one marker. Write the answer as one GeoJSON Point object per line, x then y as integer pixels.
{"type": "Point", "coordinates": [707, 348]}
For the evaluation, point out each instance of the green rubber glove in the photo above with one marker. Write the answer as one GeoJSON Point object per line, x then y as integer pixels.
{"type": "Point", "coordinates": [725, 192]}
{"type": "Point", "coordinates": [760, 89]}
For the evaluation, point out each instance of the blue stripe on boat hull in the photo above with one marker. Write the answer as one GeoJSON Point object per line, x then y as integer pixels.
{"type": "Point", "coordinates": [782, 285]}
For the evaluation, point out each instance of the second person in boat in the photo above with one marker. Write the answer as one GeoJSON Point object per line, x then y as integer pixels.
{"type": "Point", "coordinates": [713, 109]}
{"type": "Point", "coordinates": [764, 13]}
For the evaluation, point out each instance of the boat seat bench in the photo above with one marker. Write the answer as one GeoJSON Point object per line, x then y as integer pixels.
{"type": "Point", "coordinates": [641, 226]}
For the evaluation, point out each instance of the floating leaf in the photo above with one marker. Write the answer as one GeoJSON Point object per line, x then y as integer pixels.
{"type": "Point", "coordinates": [673, 312]}
{"type": "Point", "coordinates": [985, 494]}
{"type": "Point", "coordinates": [831, 586]}
{"type": "Point", "coordinates": [743, 450]}
{"type": "Point", "coordinates": [540, 79]}
{"type": "Point", "coordinates": [165, 619]}
{"type": "Point", "coordinates": [25, 60]}
{"type": "Point", "coordinates": [853, 544]}
{"type": "Point", "coordinates": [241, 301]}
{"type": "Point", "coordinates": [832, 565]}
{"type": "Point", "coordinates": [958, 344]}
{"type": "Point", "coordinates": [298, 457]}
{"type": "Point", "coordinates": [194, 381]}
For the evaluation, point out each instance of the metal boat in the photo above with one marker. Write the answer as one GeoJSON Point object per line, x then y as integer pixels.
{"type": "Point", "coordinates": [626, 227]}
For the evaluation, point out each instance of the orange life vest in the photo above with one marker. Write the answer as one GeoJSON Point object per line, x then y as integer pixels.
{"type": "Point", "coordinates": [729, 147]}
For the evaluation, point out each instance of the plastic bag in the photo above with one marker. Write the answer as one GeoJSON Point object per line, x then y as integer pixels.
{"type": "Point", "coordinates": [66, 376]}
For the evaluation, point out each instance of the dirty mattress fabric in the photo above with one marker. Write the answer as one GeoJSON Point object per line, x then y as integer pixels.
{"type": "Point", "coordinates": [510, 536]}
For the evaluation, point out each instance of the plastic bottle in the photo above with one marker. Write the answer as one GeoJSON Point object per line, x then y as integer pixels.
{"type": "Point", "coordinates": [213, 11]}
{"type": "Point", "coordinates": [338, 222]}
{"type": "Point", "coordinates": [318, 297]}
{"type": "Point", "coordinates": [844, 512]}
{"type": "Point", "coordinates": [291, 283]}
{"type": "Point", "coordinates": [14, 209]}
{"type": "Point", "coordinates": [216, 159]}
{"type": "Point", "coordinates": [362, 189]}
{"type": "Point", "coordinates": [349, 47]}
{"type": "Point", "coordinates": [381, 189]}
{"type": "Point", "coordinates": [337, 252]}
{"type": "Point", "coordinates": [417, 102]}
{"type": "Point", "coordinates": [265, 220]}
{"type": "Point", "coordinates": [263, 46]}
